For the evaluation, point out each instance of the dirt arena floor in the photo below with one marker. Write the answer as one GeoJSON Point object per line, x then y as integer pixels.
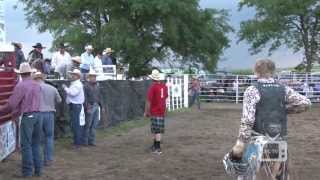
{"type": "Point", "coordinates": [194, 144]}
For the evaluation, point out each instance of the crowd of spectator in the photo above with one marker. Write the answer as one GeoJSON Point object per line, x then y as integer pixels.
{"type": "Point", "coordinates": [61, 61]}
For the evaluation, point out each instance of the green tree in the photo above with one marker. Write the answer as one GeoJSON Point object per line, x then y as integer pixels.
{"type": "Point", "coordinates": [140, 31]}
{"type": "Point", "coordinates": [294, 23]}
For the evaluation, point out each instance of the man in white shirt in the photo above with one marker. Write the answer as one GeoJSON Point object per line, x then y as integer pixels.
{"type": "Point", "coordinates": [61, 60]}
{"type": "Point", "coordinates": [87, 59]}
{"type": "Point", "coordinates": [97, 64]}
{"type": "Point", "coordinates": [75, 99]}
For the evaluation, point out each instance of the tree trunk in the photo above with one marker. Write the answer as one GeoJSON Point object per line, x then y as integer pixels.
{"type": "Point", "coordinates": [309, 66]}
{"type": "Point", "coordinates": [308, 57]}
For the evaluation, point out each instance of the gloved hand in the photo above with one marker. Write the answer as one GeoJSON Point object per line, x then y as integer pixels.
{"type": "Point", "coordinates": [237, 150]}
{"type": "Point", "coordinates": [296, 109]}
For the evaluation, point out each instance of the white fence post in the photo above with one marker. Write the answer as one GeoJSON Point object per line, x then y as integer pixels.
{"type": "Point", "coordinates": [169, 94]}
{"type": "Point", "coordinates": [186, 90]}
{"type": "Point", "coordinates": [237, 89]}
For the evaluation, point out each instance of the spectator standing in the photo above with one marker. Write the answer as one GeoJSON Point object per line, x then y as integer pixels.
{"type": "Point", "coordinates": [156, 109]}
{"type": "Point", "coordinates": [19, 54]}
{"type": "Point", "coordinates": [39, 65]}
{"type": "Point", "coordinates": [61, 60]}
{"type": "Point", "coordinates": [195, 91]}
{"type": "Point", "coordinates": [76, 61]}
{"type": "Point", "coordinates": [25, 100]}
{"type": "Point", "coordinates": [97, 64]}
{"type": "Point", "coordinates": [47, 66]}
{"type": "Point", "coordinates": [75, 99]}
{"type": "Point", "coordinates": [87, 59]}
{"type": "Point", "coordinates": [48, 99]}
{"type": "Point", "coordinates": [91, 105]}
{"type": "Point", "coordinates": [36, 53]}
{"type": "Point", "coordinates": [107, 58]}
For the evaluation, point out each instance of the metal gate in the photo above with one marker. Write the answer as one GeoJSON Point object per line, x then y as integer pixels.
{"type": "Point", "coordinates": [178, 92]}
{"type": "Point", "coordinates": [230, 88]}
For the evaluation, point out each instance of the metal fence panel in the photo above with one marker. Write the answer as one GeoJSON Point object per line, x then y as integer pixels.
{"type": "Point", "coordinates": [230, 88]}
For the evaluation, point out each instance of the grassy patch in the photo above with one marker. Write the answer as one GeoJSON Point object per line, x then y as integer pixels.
{"type": "Point", "coordinates": [117, 130]}
{"type": "Point", "coordinates": [122, 128]}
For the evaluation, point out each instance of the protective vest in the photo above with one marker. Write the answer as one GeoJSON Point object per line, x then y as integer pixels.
{"type": "Point", "coordinates": [271, 115]}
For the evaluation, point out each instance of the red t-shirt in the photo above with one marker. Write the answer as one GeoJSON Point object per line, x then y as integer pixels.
{"type": "Point", "coordinates": [157, 95]}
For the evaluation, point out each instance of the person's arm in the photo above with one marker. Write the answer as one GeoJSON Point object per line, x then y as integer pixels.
{"type": "Point", "coordinates": [13, 102]}
{"type": "Point", "coordinates": [72, 90]}
{"type": "Point", "coordinates": [250, 99]}
{"type": "Point", "coordinates": [58, 97]}
{"type": "Point", "coordinates": [21, 57]}
{"type": "Point", "coordinates": [100, 97]}
{"type": "Point", "coordinates": [166, 92]}
{"type": "Point", "coordinates": [86, 95]}
{"type": "Point", "coordinates": [54, 61]}
{"type": "Point", "coordinates": [148, 101]}
{"type": "Point", "coordinates": [296, 103]}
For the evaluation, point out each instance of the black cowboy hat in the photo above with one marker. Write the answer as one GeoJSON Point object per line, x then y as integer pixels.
{"type": "Point", "coordinates": [39, 45]}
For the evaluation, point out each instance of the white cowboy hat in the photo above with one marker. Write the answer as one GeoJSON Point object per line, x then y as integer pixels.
{"type": "Point", "coordinates": [75, 72]}
{"type": "Point", "coordinates": [76, 59]}
{"type": "Point", "coordinates": [89, 47]}
{"type": "Point", "coordinates": [24, 68]}
{"type": "Point", "coordinates": [109, 50]}
{"type": "Point", "coordinates": [155, 75]}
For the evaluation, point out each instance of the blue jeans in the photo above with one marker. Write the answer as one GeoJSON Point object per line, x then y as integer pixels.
{"type": "Point", "coordinates": [92, 121]}
{"type": "Point", "coordinates": [48, 135]}
{"type": "Point", "coordinates": [77, 130]}
{"type": "Point", "coordinates": [30, 144]}
{"type": "Point", "coordinates": [195, 97]}
{"type": "Point", "coordinates": [84, 70]}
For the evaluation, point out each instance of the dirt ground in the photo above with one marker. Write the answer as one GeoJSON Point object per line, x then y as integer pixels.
{"type": "Point", "coordinates": [194, 144]}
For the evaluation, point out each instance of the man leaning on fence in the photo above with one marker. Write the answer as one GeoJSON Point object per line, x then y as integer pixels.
{"type": "Point", "coordinates": [87, 59]}
{"type": "Point", "coordinates": [25, 100]}
{"type": "Point", "coordinates": [91, 106]}
{"type": "Point", "coordinates": [195, 91]}
{"type": "Point", "coordinates": [48, 99]}
{"type": "Point", "coordinates": [265, 108]}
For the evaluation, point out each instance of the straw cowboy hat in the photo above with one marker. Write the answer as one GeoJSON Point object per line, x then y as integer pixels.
{"type": "Point", "coordinates": [109, 50]}
{"type": "Point", "coordinates": [90, 47]}
{"type": "Point", "coordinates": [38, 45]}
{"type": "Point", "coordinates": [155, 75]}
{"type": "Point", "coordinates": [17, 44]}
{"type": "Point", "coordinates": [63, 45]}
{"type": "Point", "coordinates": [76, 59]}
{"type": "Point", "coordinates": [92, 73]}
{"type": "Point", "coordinates": [24, 68]}
{"type": "Point", "coordinates": [75, 72]}
{"type": "Point", "coordinates": [38, 75]}
{"type": "Point", "coordinates": [195, 77]}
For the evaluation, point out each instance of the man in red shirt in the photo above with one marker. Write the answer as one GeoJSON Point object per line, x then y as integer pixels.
{"type": "Point", "coordinates": [156, 108]}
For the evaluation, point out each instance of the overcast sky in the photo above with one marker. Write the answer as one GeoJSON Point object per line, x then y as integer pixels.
{"type": "Point", "coordinates": [236, 57]}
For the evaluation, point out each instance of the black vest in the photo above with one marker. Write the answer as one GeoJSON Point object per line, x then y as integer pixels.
{"type": "Point", "coordinates": [271, 115]}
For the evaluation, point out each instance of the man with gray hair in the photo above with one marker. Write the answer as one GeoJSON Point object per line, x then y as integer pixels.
{"type": "Point", "coordinates": [48, 98]}
{"type": "Point", "coordinates": [87, 59]}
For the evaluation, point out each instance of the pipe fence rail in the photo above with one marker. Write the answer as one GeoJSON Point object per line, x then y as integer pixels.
{"type": "Point", "coordinates": [230, 88]}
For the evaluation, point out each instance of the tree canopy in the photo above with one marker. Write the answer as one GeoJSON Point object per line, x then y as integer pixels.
{"type": "Point", "coordinates": [140, 31]}
{"type": "Point", "coordinates": [294, 23]}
